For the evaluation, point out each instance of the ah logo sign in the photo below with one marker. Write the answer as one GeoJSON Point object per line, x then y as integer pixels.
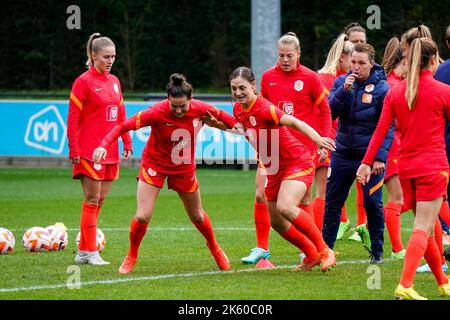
{"type": "Point", "coordinates": [46, 130]}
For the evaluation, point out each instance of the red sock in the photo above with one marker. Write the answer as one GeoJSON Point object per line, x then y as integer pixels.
{"type": "Point", "coordinates": [444, 213]}
{"type": "Point", "coordinates": [415, 250]}
{"type": "Point", "coordinates": [262, 224]}
{"type": "Point", "coordinates": [393, 224]}
{"type": "Point", "coordinates": [438, 237]}
{"type": "Point", "coordinates": [318, 206]}
{"type": "Point", "coordinates": [306, 225]}
{"type": "Point", "coordinates": [361, 212]}
{"type": "Point", "coordinates": [433, 257]}
{"type": "Point", "coordinates": [207, 231]}
{"type": "Point", "coordinates": [308, 209]}
{"type": "Point", "coordinates": [137, 232]}
{"type": "Point", "coordinates": [300, 241]}
{"type": "Point", "coordinates": [344, 217]}
{"type": "Point", "coordinates": [88, 226]}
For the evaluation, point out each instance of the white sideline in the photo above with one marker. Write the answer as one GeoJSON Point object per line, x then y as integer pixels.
{"type": "Point", "coordinates": [159, 277]}
{"type": "Point", "coordinates": [157, 229]}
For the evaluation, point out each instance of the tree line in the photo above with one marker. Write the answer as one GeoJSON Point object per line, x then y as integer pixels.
{"type": "Point", "coordinates": [203, 39]}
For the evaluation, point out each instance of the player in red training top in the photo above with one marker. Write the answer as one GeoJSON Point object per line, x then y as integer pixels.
{"type": "Point", "coordinates": [420, 105]}
{"type": "Point", "coordinates": [337, 64]}
{"type": "Point", "coordinates": [297, 91]}
{"type": "Point", "coordinates": [395, 67]}
{"type": "Point", "coordinates": [95, 107]}
{"type": "Point", "coordinates": [288, 165]}
{"type": "Point", "coordinates": [169, 153]}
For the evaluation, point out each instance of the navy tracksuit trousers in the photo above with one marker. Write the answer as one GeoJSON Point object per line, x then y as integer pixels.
{"type": "Point", "coordinates": [341, 175]}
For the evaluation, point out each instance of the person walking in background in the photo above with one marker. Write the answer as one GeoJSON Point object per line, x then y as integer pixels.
{"type": "Point", "coordinates": [420, 104]}
{"type": "Point", "coordinates": [394, 66]}
{"type": "Point", "coordinates": [357, 99]}
{"type": "Point", "coordinates": [95, 107]}
{"type": "Point", "coordinates": [289, 168]}
{"type": "Point", "coordinates": [169, 153]}
{"type": "Point", "coordinates": [297, 91]}
{"type": "Point", "coordinates": [337, 64]}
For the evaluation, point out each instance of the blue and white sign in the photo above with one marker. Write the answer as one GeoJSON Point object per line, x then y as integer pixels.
{"type": "Point", "coordinates": [39, 128]}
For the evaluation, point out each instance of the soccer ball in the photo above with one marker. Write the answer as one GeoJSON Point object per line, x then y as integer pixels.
{"type": "Point", "coordinates": [7, 241]}
{"type": "Point", "coordinates": [58, 237]}
{"type": "Point", "coordinates": [101, 240]}
{"type": "Point", "coordinates": [36, 239]}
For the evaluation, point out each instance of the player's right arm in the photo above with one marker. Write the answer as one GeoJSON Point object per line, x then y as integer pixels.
{"type": "Point", "coordinates": [77, 101]}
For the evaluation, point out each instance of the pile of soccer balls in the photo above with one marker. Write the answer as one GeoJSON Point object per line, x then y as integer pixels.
{"type": "Point", "coordinates": [39, 239]}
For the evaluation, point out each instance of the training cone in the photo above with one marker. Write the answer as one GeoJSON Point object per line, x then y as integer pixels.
{"type": "Point", "coordinates": [264, 264]}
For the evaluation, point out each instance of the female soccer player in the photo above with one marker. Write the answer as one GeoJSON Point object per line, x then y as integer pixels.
{"type": "Point", "coordinates": [169, 153]}
{"type": "Point", "coordinates": [95, 107]}
{"type": "Point", "coordinates": [420, 105]}
{"type": "Point", "coordinates": [337, 64]}
{"type": "Point", "coordinates": [406, 40]}
{"type": "Point", "coordinates": [355, 33]}
{"type": "Point", "coordinates": [395, 68]}
{"type": "Point", "coordinates": [297, 91]}
{"type": "Point", "coordinates": [289, 167]}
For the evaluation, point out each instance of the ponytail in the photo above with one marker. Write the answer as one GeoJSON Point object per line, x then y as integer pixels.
{"type": "Point", "coordinates": [341, 46]}
{"type": "Point", "coordinates": [393, 55]}
{"type": "Point", "coordinates": [420, 54]}
{"type": "Point", "coordinates": [178, 86]}
{"type": "Point", "coordinates": [96, 43]}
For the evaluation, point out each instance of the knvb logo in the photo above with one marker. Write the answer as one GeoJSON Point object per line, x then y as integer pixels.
{"type": "Point", "coordinates": [46, 131]}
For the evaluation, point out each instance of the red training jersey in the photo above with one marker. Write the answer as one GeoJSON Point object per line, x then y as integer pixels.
{"type": "Point", "coordinates": [299, 93]}
{"type": "Point", "coordinates": [393, 79]}
{"type": "Point", "coordinates": [171, 146]}
{"type": "Point", "coordinates": [95, 107]}
{"type": "Point", "coordinates": [327, 81]}
{"type": "Point", "coordinates": [264, 115]}
{"type": "Point", "coordinates": [422, 146]}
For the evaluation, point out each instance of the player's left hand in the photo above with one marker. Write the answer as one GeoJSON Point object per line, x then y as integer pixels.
{"type": "Point", "coordinates": [323, 154]}
{"type": "Point", "coordinates": [363, 174]}
{"type": "Point", "coordinates": [378, 167]}
{"type": "Point", "coordinates": [326, 143]}
{"type": "Point", "coordinates": [210, 120]}
{"type": "Point", "coordinates": [126, 154]}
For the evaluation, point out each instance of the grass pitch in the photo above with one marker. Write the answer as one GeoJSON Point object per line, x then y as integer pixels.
{"type": "Point", "coordinates": [174, 263]}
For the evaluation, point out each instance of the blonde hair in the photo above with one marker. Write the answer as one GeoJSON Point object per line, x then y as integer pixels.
{"type": "Point", "coordinates": [341, 46]}
{"type": "Point", "coordinates": [288, 39]}
{"type": "Point", "coordinates": [392, 56]}
{"type": "Point", "coordinates": [96, 43]}
{"type": "Point", "coordinates": [422, 31]}
{"type": "Point", "coordinates": [421, 52]}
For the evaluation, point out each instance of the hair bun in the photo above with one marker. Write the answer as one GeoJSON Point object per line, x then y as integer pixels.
{"type": "Point", "coordinates": [290, 33]}
{"type": "Point", "coordinates": [177, 79]}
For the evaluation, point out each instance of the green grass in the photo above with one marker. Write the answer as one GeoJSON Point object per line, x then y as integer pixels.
{"type": "Point", "coordinates": [174, 263]}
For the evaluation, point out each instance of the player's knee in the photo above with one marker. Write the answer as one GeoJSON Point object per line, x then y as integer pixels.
{"type": "Point", "coordinates": [286, 210]}
{"type": "Point", "coordinates": [92, 198]}
{"type": "Point", "coordinates": [142, 219]}
{"type": "Point", "coordinates": [260, 197]}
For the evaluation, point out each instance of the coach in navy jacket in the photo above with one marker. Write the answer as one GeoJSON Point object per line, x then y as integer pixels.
{"type": "Point", "coordinates": [357, 99]}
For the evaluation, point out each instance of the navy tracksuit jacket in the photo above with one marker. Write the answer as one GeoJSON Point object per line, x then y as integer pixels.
{"type": "Point", "coordinates": [358, 111]}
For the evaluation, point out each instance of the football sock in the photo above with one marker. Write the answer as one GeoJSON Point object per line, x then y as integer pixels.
{"type": "Point", "coordinates": [444, 213]}
{"type": "Point", "coordinates": [308, 209]}
{"type": "Point", "coordinates": [433, 257]}
{"type": "Point", "coordinates": [393, 224]}
{"type": "Point", "coordinates": [88, 226]}
{"type": "Point", "coordinates": [300, 241]}
{"type": "Point", "coordinates": [344, 217]}
{"type": "Point", "coordinates": [318, 206]}
{"type": "Point", "coordinates": [415, 250]}
{"type": "Point", "coordinates": [306, 225]}
{"type": "Point", "coordinates": [137, 232]}
{"type": "Point", "coordinates": [207, 231]}
{"type": "Point", "coordinates": [438, 237]}
{"type": "Point", "coordinates": [361, 212]}
{"type": "Point", "coordinates": [262, 224]}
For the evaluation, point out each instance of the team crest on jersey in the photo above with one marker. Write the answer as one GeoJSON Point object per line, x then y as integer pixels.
{"type": "Point", "coordinates": [116, 88]}
{"type": "Point", "coordinates": [195, 122]}
{"type": "Point", "coordinates": [97, 166]}
{"type": "Point", "coordinates": [252, 120]}
{"type": "Point", "coordinates": [367, 98]}
{"type": "Point", "coordinates": [298, 85]}
{"type": "Point", "coordinates": [112, 113]}
{"type": "Point", "coordinates": [370, 87]}
{"type": "Point", "coordinates": [151, 172]}
{"type": "Point", "coordinates": [287, 107]}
